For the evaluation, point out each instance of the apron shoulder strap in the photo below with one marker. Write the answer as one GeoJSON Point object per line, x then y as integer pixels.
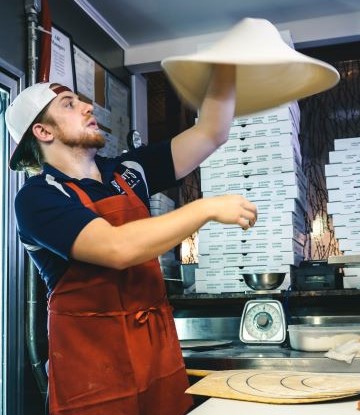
{"type": "Point", "coordinates": [83, 196]}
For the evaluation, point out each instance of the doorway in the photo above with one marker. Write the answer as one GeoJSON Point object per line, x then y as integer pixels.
{"type": "Point", "coordinates": [11, 264]}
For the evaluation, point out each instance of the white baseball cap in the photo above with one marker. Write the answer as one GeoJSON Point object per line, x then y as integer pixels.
{"type": "Point", "coordinates": [23, 111]}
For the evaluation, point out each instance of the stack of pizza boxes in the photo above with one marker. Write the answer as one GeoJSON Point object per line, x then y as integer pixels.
{"type": "Point", "coordinates": [343, 187]}
{"type": "Point", "coordinates": [261, 161]}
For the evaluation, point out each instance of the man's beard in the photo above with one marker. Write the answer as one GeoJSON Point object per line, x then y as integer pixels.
{"type": "Point", "coordinates": [88, 140]}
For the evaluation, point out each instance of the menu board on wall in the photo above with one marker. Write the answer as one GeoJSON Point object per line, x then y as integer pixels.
{"type": "Point", "coordinates": [110, 99]}
{"type": "Point", "coordinates": [61, 64]}
{"type": "Point", "coordinates": [85, 74]}
{"type": "Point", "coordinates": [117, 100]}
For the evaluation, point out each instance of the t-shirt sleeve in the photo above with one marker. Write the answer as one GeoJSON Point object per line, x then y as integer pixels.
{"type": "Point", "coordinates": [47, 217]}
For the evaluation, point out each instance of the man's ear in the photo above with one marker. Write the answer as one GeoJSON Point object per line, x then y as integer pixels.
{"type": "Point", "coordinates": [42, 132]}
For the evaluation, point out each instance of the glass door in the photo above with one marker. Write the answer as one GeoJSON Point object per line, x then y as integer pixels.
{"type": "Point", "coordinates": [4, 99]}
{"type": "Point", "coordinates": [11, 267]}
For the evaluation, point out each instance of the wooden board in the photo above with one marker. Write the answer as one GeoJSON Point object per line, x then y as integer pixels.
{"type": "Point", "coordinates": [280, 387]}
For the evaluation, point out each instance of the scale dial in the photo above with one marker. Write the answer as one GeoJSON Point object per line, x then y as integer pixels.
{"type": "Point", "coordinates": [263, 321]}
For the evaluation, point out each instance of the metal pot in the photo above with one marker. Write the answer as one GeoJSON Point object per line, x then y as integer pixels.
{"type": "Point", "coordinates": [266, 281]}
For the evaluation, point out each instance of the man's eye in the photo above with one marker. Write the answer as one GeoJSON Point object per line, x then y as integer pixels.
{"type": "Point", "coordinates": [69, 104]}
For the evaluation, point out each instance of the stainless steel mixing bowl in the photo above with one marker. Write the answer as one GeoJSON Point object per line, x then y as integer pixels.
{"type": "Point", "coordinates": [266, 281]}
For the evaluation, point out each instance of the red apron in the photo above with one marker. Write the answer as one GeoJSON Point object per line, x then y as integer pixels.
{"type": "Point", "coordinates": [113, 347]}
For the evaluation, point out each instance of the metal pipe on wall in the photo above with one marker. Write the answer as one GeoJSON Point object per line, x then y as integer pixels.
{"type": "Point", "coordinates": [32, 9]}
{"type": "Point", "coordinates": [45, 46]}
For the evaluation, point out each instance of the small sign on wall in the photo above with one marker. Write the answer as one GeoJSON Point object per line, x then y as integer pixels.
{"type": "Point", "coordinates": [62, 65]}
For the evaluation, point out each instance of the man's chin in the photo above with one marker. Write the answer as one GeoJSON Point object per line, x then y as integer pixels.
{"type": "Point", "coordinates": [96, 141]}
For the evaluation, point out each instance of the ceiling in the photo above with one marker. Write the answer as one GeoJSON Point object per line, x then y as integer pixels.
{"type": "Point", "coordinates": [135, 22]}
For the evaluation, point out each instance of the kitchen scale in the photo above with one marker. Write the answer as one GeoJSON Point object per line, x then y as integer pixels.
{"type": "Point", "coordinates": [263, 322]}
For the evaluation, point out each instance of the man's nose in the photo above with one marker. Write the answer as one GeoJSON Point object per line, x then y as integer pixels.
{"type": "Point", "coordinates": [87, 108]}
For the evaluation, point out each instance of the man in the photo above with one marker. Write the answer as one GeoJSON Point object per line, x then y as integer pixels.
{"type": "Point", "coordinates": [85, 222]}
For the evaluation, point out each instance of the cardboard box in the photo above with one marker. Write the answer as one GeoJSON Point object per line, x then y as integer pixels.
{"type": "Point", "coordinates": [257, 142]}
{"type": "Point", "coordinates": [343, 207]}
{"type": "Point", "coordinates": [351, 245]}
{"type": "Point", "coordinates": [283, 193]}
{"type": "Point", "coordinates": [345, 156]}
{"type": "Point", "coordinates": [346, 220]}
{"type": "Point", "coordinates": [251, 169]}
{"type": "Point", "coordinates": [273, 115]}
{"type": "Point", "coordinates": [282, 219]}
{"type": "Point", "coordinates": [286, 205]}
{"type": "Point", "coordinates": [219, 231]}
{"type": "Point", "coordinates": [259, 246]}
{"type": "Point", "coordinates": [266, 259]}
{"type": "Point", "coordinates": [262, 130]}
{"type": "Point", "coordinates": [211, 286]}
{"type": "Point", "coordinates": [223, 185]}
{"type": "Point", "coordinates": [347, 143]}
{"type": "Point", "coordinates": [345, 232]}
{"type": "Point", "coordinates": [251, 156]}
{"type": "Point", "coordinates": [351, 277]}
{"type": "Point", "coordinates": [343, 195]}
{"type": "Point", "coordinates": [343, 182]}
{"type": "Point", "coordinates": [342, 169]}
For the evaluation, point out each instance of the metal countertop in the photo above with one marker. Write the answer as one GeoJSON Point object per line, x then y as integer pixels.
{"type": "Point", "coordinates": [240, 356]}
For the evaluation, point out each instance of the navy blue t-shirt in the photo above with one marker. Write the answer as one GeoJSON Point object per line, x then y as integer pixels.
{"type": "Point", "coordinates": [50, 215]}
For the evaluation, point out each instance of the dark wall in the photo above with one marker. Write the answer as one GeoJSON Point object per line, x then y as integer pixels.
{"type": "Point", "coordinates": [67, 16]}
{"type": "Point", "coordinates": [12, 34]}
{"type": "Point", "coordinates": [88, 36]}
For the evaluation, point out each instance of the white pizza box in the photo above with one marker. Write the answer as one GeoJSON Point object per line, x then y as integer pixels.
{"type": "Point", "coordinates": [344, 156]}
{"type": "Point", "coordinates": [352, 245]}
{"type": "Point", "coordinates": [211, 286]}
{"type": "Point", "coordinates": [282, 219]}
{"type": "Point", "coordinates": [341, 169]}
{"type": "Point", "coordinates": [251, 156]}
{"type": "Point", "coordinates": [351, 277]}
{"type": "Point", "coordinates": [343, 195]}
{"type": "Point", "coordinates": [262, 130]}
{"type": "Point", "coordinates": [252, 259]}
{"type": "Point", "coordinates": [343, 182]}
{"type": "Point", "coordinates": [161, 199]}
{"type": "Point", "coordinates": [343, 207]}
{"type": "Point", "coordinates": [286, 205]}
{"type": "Point", "coordinates": [218, 232]}
{"type": "Point", "coordinates": [216, 286]}
{"type": "Point", "coordinates": [250, 246]}
{"type": "Point", "coordinates": [236, 234]}
{"type": "Point", "coordinates": [352, 219]}
{"type": "Point", "coordinates": [347, 143]}
{"type": "Point", "coordinates": [237, 272]}
{"type": "Point", "coordinates": [351, 282]}
{"type": "Point", "coordinates": [265, 194]}
{"type": "Point", "coordinates": [266, 207]}
{"type": "Point", "coordinates": [256, 142]}
{"type": "Point", "coordinates": [345, 232]}
{"type": "Point", "coordinates": [273, 166]}
{"type": "Point", "coordinates": [271, 181]}
{"type": "Point", "coordinates": [250, 169]}
{"type": "Point", "coordinates": [272, 115]}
